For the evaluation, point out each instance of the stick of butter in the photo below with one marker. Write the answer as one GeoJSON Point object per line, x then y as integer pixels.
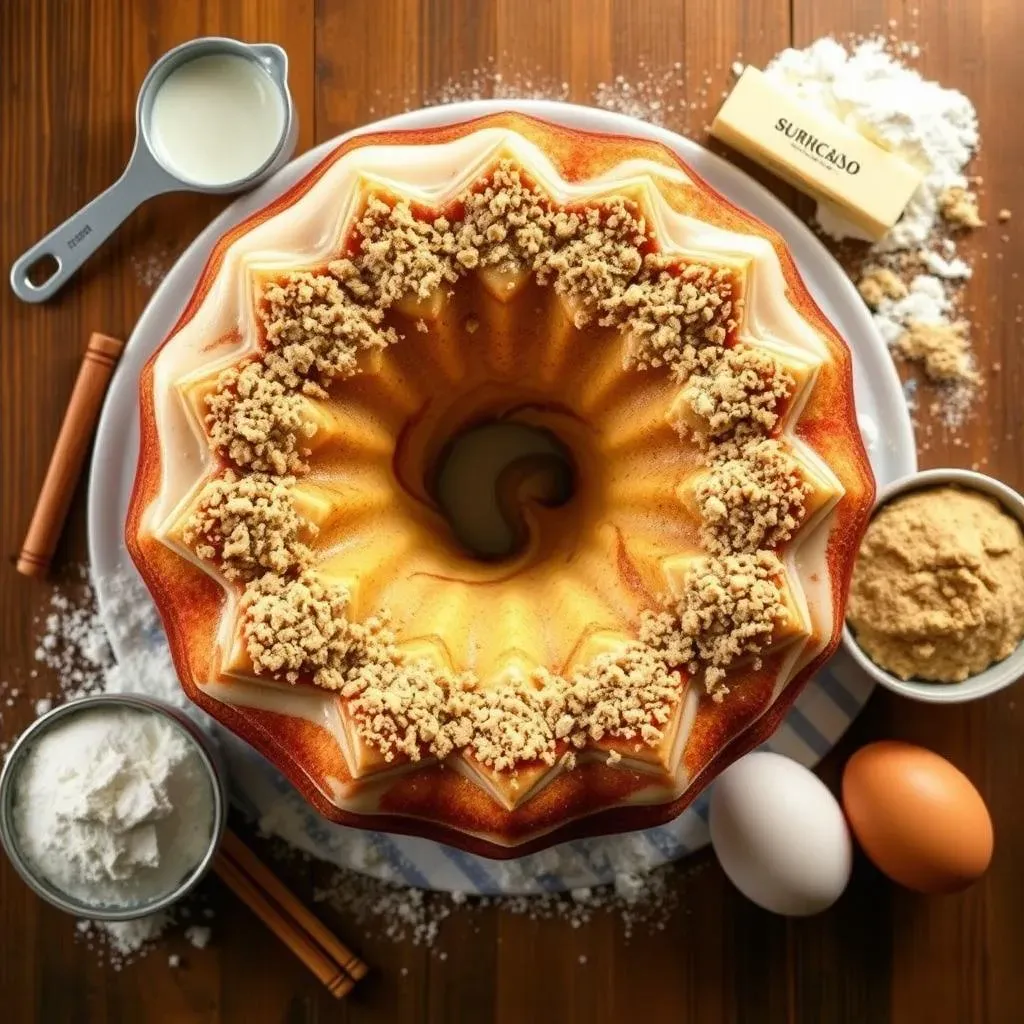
{"type": "Point", "coordinates": [816, 153]}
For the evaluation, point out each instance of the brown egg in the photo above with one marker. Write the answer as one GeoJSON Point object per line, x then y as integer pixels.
{"type": "Point", "coordinates": [919, 819]}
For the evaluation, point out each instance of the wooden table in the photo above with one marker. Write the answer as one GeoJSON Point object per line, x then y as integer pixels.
{"type": "Point", "coordinates": [69, 72]}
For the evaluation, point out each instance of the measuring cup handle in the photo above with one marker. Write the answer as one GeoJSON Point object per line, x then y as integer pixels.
{"type": "Point", "coordinates": [83, 233]}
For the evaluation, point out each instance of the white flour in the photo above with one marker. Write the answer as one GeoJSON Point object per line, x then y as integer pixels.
{"type": "Point", "coordinates": [931, 127]}
{"type": "Point", "coordinates": [926, 302]}
{"type": "Point", "coordinates": [873, 92]}
{"type": "Point", "coordinates": [113, 807]}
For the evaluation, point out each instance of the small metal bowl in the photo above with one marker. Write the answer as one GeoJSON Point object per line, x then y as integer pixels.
{"type": "Point", "coordinates": [995, 677]}
{"type": "Point", "coordinates": [49, 892]}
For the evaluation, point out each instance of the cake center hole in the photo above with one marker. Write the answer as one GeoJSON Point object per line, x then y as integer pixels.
{"type": "Point", "coordinates": [491, 478]}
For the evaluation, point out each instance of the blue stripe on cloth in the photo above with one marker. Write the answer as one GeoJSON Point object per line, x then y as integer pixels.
{"type": "Point", "coordinates": [702, 807]}
{"type": "Point", "coordinates": [550, 883]}
{"type": "Point", "coordinates": [472, 867]}
{"type": "Point", "coordinates": [411, 874]}
{"type": "Point", "coordinates": [584, 850]}
{"type": "Point", "coordinates": [808, 732]}
{"type": "Point", "coordinates": [664, 842]}
{"type": "Point", "coordinates": [591, 859]}
{"type": "Point", "coordinates": [839, 694]}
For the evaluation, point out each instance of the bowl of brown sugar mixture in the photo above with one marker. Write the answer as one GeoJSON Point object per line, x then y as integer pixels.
{"type": "Point", "coordinates": [936, 608]}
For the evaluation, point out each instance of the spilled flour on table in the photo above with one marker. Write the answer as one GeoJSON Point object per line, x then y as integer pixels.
{"type": "Point", "coordinates": [151, 266]}
{"type": "Point", "coordinates": [913, 278]}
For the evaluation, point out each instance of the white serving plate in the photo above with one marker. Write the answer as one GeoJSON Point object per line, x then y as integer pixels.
{"type": "Point", "coordinates": [815, 723]}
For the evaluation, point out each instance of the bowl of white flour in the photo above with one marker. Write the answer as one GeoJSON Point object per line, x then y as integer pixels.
{"type": "Point", "coordinates": [112, 807]}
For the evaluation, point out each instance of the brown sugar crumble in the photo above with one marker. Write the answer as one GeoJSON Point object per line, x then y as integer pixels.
{"type": "Point", "coordinates": [315, 330]}
{"type": "Point", "coordinates": [678, 316]}
{"type": "Point", "coordinates": [400, 705]}
{"type": "Point", "coordinates": [256, 422]}
{"type": "Point", "coordinates": [626, 695]}
{"type": "Point", "coordinates": [730, 608]}
{"type": "Point", "coordinates": [248, 524]}
{"type": "Point", "coordinates": [744, 388]}
{"type": "Point", "coordinates": [942, 349]}
{"type": "Point", "coordinates": [752, 498]}
{"type": "Point", "coordinates": [408, 707]}
{"type": "Point", "coordinates": [878, 283]}
{"type": "Point", "coordinates": [296, 627]}
{"type": "Point", "coordinates": [673, 313]}
{"type": "Point", "coordinates": [506, 725]}
{"type": "Point", "coordinates": [959, 208]}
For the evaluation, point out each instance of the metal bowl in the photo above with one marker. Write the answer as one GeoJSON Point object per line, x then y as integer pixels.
{"type": "Point", "coordinates": [45, 889]}
{"type": "Point", "coordinates": [995, 677]}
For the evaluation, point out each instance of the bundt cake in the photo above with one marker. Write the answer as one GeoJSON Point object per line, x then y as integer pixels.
{"type": "Point", "coordinates": [500, 483]}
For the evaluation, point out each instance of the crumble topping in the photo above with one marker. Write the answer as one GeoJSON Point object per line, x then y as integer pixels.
{"type": "Point", "coordinates": [506, 224]}
{"type": "Point", "coordinates": [673, 314]}
{"type": "Point", "coordinates": [878, 283]}
{"type": "Point", "coordinates": [297, 626]}
{"type": "Point", "coordinates": [399, 254]}
{"type": "Point", "coordinates": [508, 725]}
{"type": "Point", "coordinates": [628, 695]}
{"type": "Point", "coordinates": [753, 497]}
{"type": "Point", "coordinates": [315, 328]}
{"type": "Point", "coordinates": [399, 705]}
{"type": "Point", "coordinates": [256, 422]}
{"type": "Point", "coordinates": [597, 255]}
{"type": "Point", "coordinates": [677, 316]}
{"type": "Point", "coordinates": [247, 524]}
{"type": "Point", "coordinates": [408, 707]}
{"type": "Point", "coordinates": [729, 609]}
{"type": "Point", "coordinates": [742, 389]}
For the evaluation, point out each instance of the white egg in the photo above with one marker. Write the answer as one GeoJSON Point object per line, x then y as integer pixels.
{"type": "Point", "coordinates": [780, 835]}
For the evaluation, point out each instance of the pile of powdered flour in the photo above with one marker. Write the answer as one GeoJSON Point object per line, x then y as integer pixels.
{"type": "Point", "coordinates": [872, 91]}
{"type": "Point", "coordinates": [113, 806]}
{"type": "Point", "coordinates": [913, 277]}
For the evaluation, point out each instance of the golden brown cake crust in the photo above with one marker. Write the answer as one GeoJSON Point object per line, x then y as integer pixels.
{"type": "Point", "coordinates": [436, 802]}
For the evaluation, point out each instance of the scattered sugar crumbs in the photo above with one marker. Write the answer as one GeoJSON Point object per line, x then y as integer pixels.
{"type": "Point", "coordinates": [642, 901]}
{"type": "Point", "coordinates": [959, 208]}
{"type": "Point", "coordinates": [942, 349]}
{"type": "Point", "coordinates": [670, 95]}
{"type": "Point", "coordinates": [118, 944]}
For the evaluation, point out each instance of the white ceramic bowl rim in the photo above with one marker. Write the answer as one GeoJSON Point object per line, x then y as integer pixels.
{"type": "Point", "coordinates": [995, 677]}
{"type": "Point", "coordinates": [45, 889]}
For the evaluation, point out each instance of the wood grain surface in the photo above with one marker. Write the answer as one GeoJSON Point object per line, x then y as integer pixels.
{"type": "Point", "coordinates": [69, 72]}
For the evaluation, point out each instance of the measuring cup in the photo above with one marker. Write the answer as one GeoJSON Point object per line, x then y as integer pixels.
{"type": "Point", "coordinates": [146, 175]}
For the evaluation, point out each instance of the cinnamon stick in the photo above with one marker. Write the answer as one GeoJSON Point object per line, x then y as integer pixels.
{"type": "Point", "coordinates": [338, 983]}
{"type": "Point", "coordinates": [244, 857]}
{"type": "Point", "coordinates": [83, 410]}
